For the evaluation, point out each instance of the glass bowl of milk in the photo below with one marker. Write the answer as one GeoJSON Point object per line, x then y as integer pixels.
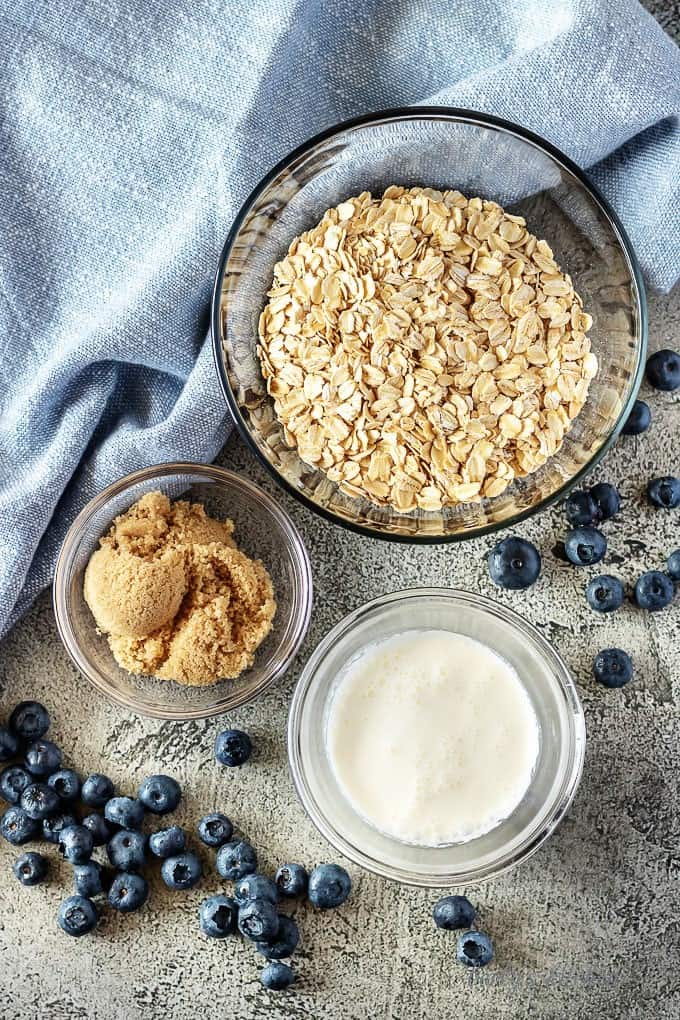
{"type": "Point", "coordinates": [435, 737]}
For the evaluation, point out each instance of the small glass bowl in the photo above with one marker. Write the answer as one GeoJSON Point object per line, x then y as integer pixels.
{"type": "Point", "coordinates": [442, 148]}
{"type": "Point", "coordinates": [548, 684]}
{"type": "Point", "coordinates": [262, 530]}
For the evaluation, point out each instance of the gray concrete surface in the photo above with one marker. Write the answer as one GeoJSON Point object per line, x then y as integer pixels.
{"type": "Point", "coordinates": [588, 928]}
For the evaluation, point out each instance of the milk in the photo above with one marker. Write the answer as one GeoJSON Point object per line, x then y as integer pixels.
{"type": "Point", "coordinates": [431, 736]}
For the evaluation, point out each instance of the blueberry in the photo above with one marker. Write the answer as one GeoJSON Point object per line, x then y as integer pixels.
{"type": "Point", "coordinates": [17, 827]}
{"type": "Point", "coordinates": [474, 949]}
{"type": "Point", "coordinates": [585, 546]}
{"type": "Point", "coordinates": [182, 871]}
{"type": "Point", "coordinates": [13, 781]}
{"type": "Point", "coordinates": [607, 500]}
{"type": "Point", "coordinates": [167, 842]}
{"type": "Point", "coordinates": [663, 370]}
{"type": "Point", "coordinates": [672, 569]}
{"type": "Point", "coordinates": [284, 942]}
{"type": "Point", "coordinates": [30, 868]}
{"type": "Point", "coordinates": [40, 801]}
{"type": "Point", "coordinates": [66, 784]}
{"type": "Point", "coordinates": [97, 790]}
{"type": "Point", "coordinates": [30, 720]}
{"type": "Point", "coordinates": [43, 758]}
{"type": "Point", "coordinates": [639, 419]}
{"type": "Point", "coordinates": [129, 891]}
{"type": "Point", "coordinates": [277, 976]}
{"type": "Point", "coordinates": [160, 794]}
{"type": "Point", "coordinates": [9, 744]}
{"type": "Point", "coordinates": [76, 844]}
{"type": "Point", "coordinates": [90, 879]}
{"type": "Point", "coordinates": [605, 593]}
{"type": "Point", "coordinates": [215, 829]}
{"type": "Point", "coordinates": [580, 508]}
{"type": "Point", "coordinates": [258, 920]}
{"type": "Point", "coordinates": [233, 747]}
{"type": "Point", "coordinates": [77, 916]}
{"type": "Point", "coordinates": [236, 859]}
{"type": "Point", "coordinates": [664, 492]}
{"type": "Point", "coordinates": [99, 827]}
{"type": "Point", "coordinates": [217, 916]}
{"type": "Point", "coordinates": [653, 591]}
{"type": "Point", "coordinates": [329, 886]}
{"type": "Point", "coordinates": [52, 826]}
{"type": "Point", "coordinates": [125, 812]}
{"type": "Point", "coordinates": [451, 912]}
{"type": "Point", "coordinates": [127, 850]}
{"type": "Point", "coordinates": [612, 667]}
{"type": "Point", "coordinates": [514, 563]}
{"type": "Point", "coordinates": [292, 879]}
{"type": "Point", "coordinates": [255, 887]}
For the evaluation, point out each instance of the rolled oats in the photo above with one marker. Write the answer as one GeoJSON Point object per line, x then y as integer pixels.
{"type": "Point", "coordinates": [424, 349]}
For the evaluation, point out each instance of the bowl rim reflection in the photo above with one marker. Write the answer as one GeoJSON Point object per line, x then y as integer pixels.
{"type": "Point", "coordinates": [315, 674]}
{"type": "Point", "coordinates": [297, 624]}
{"type": "Point", "coordinates": [433, 113]}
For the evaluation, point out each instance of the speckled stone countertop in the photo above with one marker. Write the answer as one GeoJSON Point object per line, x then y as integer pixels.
{"type": "Point", "coordinates": [589, 927]}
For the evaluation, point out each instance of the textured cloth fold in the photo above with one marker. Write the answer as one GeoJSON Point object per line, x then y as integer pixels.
{"type": "Point", "coordinates": [130, 133]}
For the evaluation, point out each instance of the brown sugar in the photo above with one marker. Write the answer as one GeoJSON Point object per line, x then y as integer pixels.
{"type": "Point", "coordinates": [174, 595]}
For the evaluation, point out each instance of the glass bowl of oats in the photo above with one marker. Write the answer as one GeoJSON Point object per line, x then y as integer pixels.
{"type": "Point", "coordinates": [428, 324]}
{"type": "Point", "coordinates": [182, 591]}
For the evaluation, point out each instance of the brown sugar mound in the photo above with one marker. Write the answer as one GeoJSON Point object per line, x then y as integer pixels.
{"type": "Point", "coordinates": [174, 595]}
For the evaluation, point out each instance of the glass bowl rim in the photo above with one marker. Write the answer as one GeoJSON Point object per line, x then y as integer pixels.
{"type": "Point", "coordinates": [273, 672]}
{"type": "Point", "coordinates": [570, 778]}
{"type": "Point", "coordinates": [452, 113]}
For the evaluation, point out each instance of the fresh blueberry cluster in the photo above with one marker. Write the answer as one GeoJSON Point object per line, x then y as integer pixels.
{"type": "Point", "coordinates": [51, 803]}
{"type": "Point", "coordinates": [515, 563]}
{"type": "Point", "coordinates": [585, 545]}
{"type": "Point", "coordinates": [605, 593]}
{"type": "Point", "coordinates": [586, 509]}
{"type": "Point", "coordinates": [253, 909]}
{"type": "Point", "coordinates": [44, 798]}
{"type": "Point", "coordinates": [454, 913]}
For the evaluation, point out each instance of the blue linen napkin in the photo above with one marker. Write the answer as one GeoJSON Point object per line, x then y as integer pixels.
{"type": "Point", "coordinates": [131, 131]}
